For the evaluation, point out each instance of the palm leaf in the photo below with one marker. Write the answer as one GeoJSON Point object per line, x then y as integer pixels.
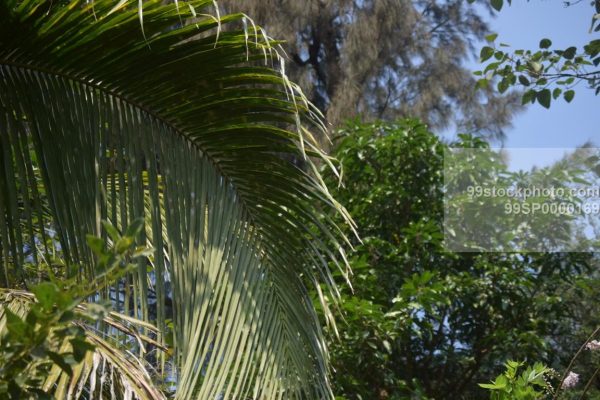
{"type": "Point", "coordinates": [195, 128]}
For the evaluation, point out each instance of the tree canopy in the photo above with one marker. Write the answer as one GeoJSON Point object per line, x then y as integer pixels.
{"type": "Point", "coordinates": [423, 322]}
{"type": "Point", "coordinates": [386, 59]}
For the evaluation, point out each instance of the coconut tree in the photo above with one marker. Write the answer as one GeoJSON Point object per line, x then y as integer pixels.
{"type": "Point", "coordinates": [167, 111]}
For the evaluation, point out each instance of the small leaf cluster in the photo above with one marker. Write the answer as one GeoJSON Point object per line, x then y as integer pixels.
{"type": "Point", "coordinates": [545, 74]}
{"type": "Point", "coordinates": [45, 328]}
{"type": "Point", "coordinates": [512, 384]}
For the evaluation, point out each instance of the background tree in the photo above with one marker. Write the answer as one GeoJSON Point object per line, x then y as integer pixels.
{"type": "Point", "coordinates": [423, 322]}
{"type": "Point", "coordinates": [386, 58]}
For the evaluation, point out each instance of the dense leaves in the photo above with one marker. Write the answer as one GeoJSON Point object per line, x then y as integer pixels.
{"type": "Point", "coordinates": [423, 322]}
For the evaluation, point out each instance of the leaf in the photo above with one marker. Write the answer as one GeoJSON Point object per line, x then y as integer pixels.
{"type": "Point", "coordinates": [80, 348]}
{"type": "Point", "coordinates": [569, 53]}
{"type": "Point", "coordinates": [592, 48]}
{"type": "Point", "coordinates": [545, 43]}
{"type": "Point", "coordinates": [490, 386]}
{"type": "Point", "coordinates": [556, 92]}
{"type": "Point", "coordinates": [60, 361]}
{"type": "Point", "coordinates": [124, 244]}
{"type": "Point", "coordinates": [388, 346]}
{"type": "Point", "coordinates": [569, 95]}
{"type": "Point", "coordinates": [486, 53]}
{"type": "Point", "coordinates": [46, 294]}
{"type": "Point", "coordinates": [135, 228]}
{"type": "Point", "coordinates": [544, 97]}
{"type": "Point", "coordinates": [482, 83]}
{"type": "Point", "coordinates": [491, 37]}
{"type": "Point", "coordinates": [497, 4]}
{"type": "Point", "coordinates": [111, 230]}
{"type": "Point", "coordinates": [16, 325]}
{"type": "Point", "coordinates": [536, 66]}
{"type": "Point", "coordinates": [528, 97]}
{"type": "Point", "coordinates": [198, 131]}
{"type": "Point", "coordinates": [95, 243]}
{"type": "Point", "coordinates": [523, 80]}
{"type": "Point", "coordinates": [503, 85]}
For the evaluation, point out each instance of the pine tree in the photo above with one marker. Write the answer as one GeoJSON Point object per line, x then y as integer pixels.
{"type": "Point", "coordinates": [386, 59]}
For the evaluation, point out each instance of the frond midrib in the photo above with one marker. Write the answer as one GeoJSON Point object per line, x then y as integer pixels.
{"type": "Point", "coordinates": [168, 123]}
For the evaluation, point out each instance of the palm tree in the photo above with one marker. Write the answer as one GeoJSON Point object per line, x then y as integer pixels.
{"type": "Point", "coordinates": [172, 113]}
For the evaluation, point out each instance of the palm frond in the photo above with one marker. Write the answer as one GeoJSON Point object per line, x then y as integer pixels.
{"type": "Point", "coordinates": [195, 128]}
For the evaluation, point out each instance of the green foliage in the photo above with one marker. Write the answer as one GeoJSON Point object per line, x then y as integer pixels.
{"type": "Point", "coordinates": [518, 384]}
{"type": "Point", "coordinates": [422, 322]}
{"type": "Point", "coordinates": [30, 346]}
{"type": "Point", "coordinates": [546, 74]}
{"type": "Point", "coordinates": [45, 328]}
{"type": "Point", "coordinates": [476, 218]}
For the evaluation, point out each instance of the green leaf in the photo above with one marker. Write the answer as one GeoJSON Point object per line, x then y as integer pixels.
{"type": "Point", "coordinates": [111, 230]}
{"type": "Point", "coordinates": [528, 97]}
{"type": "Point", "coordinates": [523, 80]}
{"type": "Point", "coordinates": [46, 294]}
{"type": "Point", "coordinates": [16, 325]}
{"type": "Point", "coordinates": [490, 386]}
{"type": "Point", "coordinates": [545, 43]}
{"type": "Point", "coordinates": [95, 243]}
{"type": "Point", "coordinates": [124, 244]}
{"type": "Point", "coordinates": [486, 53]}
{"type": "Point", "coordinates": [482, 83]}
{"type": "Point", "coordinates": [60, 361]}
{"type": "Point", "coordinates": [569, 95]}
{"type": "Point", "coordinates": [80, 347]}
{"type": "Point", "coordinates": [135, 228]}
{"type": "Point", "coordinates": [497, 4]}
{"type": "Point", "coordinates": [503, 85]}
{"type": "Point", "coordinates": [556, 92]}
{"type": "Point", "coordinates": [569, 53]}
{"type": "Point", "coordinates": [491, 37]}
{"type": "Point", "coordinates": [197, 130]}
{"type": "Point", "coordinates": [544, 97]}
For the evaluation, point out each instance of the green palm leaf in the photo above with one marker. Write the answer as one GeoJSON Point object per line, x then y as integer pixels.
{"type": "Point", "coordinates": [194, 127]}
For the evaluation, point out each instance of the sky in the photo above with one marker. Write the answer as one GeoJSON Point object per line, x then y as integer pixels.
{"type": "Point", "coordinates": [565, 125]}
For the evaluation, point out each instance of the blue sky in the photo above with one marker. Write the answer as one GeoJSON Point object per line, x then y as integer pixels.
{"type": "Point", "coordinates": [564, 125]}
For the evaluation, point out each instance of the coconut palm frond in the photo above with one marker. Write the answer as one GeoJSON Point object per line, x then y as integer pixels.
{"type": "Point", "coordinates": [195, 128]}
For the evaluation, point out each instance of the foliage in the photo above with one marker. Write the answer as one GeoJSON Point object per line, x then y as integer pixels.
{"type": "Point", "coordinates": [386, 59]}
{"type": "Point", "coordinates": [517, 384]}
{"type": "Point", "coordinates": [545, 74]}
{"type": "Point", "coordinates": [30, 347]}
{"type": "Point", "coordinates": [422, 322]}
{"type": "Point", "coordinates": [189, 122]}
{"type": "Point", "coordinates": [44, 333]}
{"type": "Point", "coordinates": [487, 207]}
